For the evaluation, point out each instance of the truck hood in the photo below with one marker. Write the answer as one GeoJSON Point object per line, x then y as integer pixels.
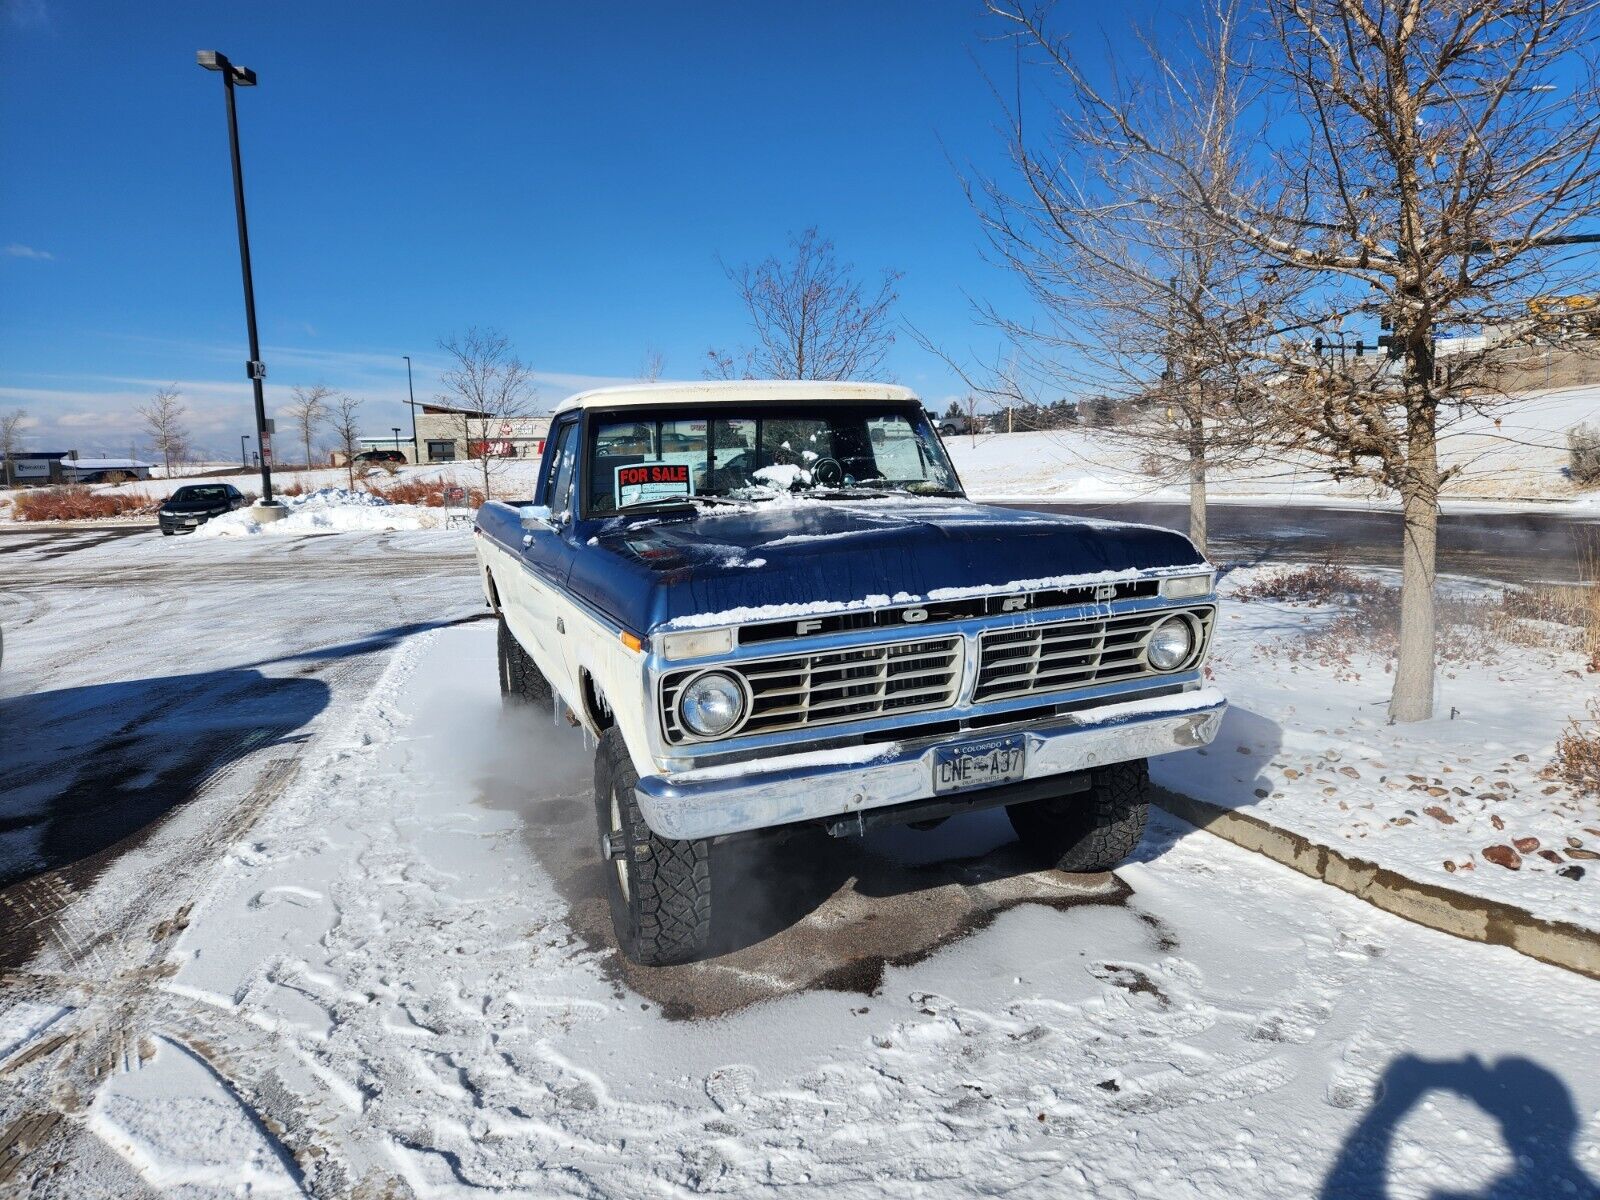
{"type": "Point", "coordinates": [719, 566]}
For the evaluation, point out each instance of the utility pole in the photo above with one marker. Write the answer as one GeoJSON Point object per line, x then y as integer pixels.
{"type": "Point", "coordinates": [416, 449]}
{"type": "Point", "coordinates": [233, 76]}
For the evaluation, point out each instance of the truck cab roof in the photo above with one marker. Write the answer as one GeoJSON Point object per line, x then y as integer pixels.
{"type": "Point", "coordinates": [734, 391]}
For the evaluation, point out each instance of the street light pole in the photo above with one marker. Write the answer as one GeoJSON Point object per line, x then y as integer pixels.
{"type": "Point", "coordinates": [212, 60]}
{"type": "Point", "coordinates": [416, 450]}
{"type": "Point", "coordinates": [396, 429]}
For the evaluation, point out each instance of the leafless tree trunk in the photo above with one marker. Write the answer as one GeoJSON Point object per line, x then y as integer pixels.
{"type": "Point", "coordinates": [654, 363]}
{"type": "Point", "coordinates": [486, 382]}
{"type": "Point", "coordinates": [813, 318]}
{"type": "Point", "coordinates": [309, 411]}
{"type": "Point", "coordinates": [11, 441]}
{"type": "Point", "coordinates": [163, 419]}
{"type": "Point", "coordinates": [1419, 161]}
{"type": "Point", "coordinates": [345, 422]}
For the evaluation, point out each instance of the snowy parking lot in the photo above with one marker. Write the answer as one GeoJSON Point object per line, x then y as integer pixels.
{"type": "Point", "coordinates": [294, 907]}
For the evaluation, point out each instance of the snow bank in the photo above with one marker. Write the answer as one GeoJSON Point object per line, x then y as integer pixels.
{"type": "Point", "coordinates": [328, 510]}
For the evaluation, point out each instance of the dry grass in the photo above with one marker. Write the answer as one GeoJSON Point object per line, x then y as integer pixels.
{"type": "Point", "coordinates": [1577, 759]}
{"type": "Point", "coordinates": [427, 493]}
{"type": "Point", "coordinates": [80, 504]}
{"type": "Point", "coordinates": [1367, 623]}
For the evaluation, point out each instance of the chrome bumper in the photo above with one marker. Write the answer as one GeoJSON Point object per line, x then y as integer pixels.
{"type": "Point", "coordinates": [803, 787]}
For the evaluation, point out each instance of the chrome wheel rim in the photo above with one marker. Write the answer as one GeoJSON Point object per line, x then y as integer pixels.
{"type": "Point", "coordinates": [620, 864]}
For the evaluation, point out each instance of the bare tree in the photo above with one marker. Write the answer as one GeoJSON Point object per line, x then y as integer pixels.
{"type": "Point", "coordinates": [1144, 299]}
{"type": "Point", "coordinates": [163, 420]}
{"type": "Point", "coordinates": [813, 318]}
{"type": "Point", "coordinates": [309, 411]}
{"type": "Point", "coordinates": [488, 386]}
{"type": "Point", "coordinates": [1414, 165]}
{"type": "Point", "coordinates": [345, 424]}
{"type": "Point", "coordinates": [654, 363]}
{"type": "Point", "coordinates": [11, 423]}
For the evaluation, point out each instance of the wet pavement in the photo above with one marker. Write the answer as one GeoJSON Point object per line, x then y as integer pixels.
{"type": "Point", "coordinates": [792, 913]}
{"type": "Point", "coordinates": [1521, 547]}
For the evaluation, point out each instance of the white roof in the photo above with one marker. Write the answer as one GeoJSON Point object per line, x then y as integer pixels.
{"type": "Point", "coordinates": [734, 391]}
{"type": "Point", "coordinates": [104, 464]}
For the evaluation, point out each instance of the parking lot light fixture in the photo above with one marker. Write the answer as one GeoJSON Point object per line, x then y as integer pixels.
{"type": "Point", "coordinates": [235, 76]}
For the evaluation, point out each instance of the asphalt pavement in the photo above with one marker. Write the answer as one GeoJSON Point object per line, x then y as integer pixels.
{"type": "Point", "coordinates": [1519, 547]}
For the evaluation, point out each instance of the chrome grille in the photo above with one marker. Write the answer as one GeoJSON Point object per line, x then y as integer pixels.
{"type": "Point", "coordinates": [1071, 654]}
{"type": "Point", "coordinates": [803, 690]}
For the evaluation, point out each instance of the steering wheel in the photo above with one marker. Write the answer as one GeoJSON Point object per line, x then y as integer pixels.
{"type": "Point", "coordinates": [828, 472]}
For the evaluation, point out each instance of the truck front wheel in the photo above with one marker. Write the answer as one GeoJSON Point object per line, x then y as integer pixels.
{"type": "Point", "coordinates": [659, 889]}
{"type": "Point", "coordinates": [1091, 831]}
{"type": "Point", "coordinates": [520, 681]}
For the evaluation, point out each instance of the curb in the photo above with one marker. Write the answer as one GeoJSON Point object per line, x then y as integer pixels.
{"type": "Point", "coordinates": [1473, 918]}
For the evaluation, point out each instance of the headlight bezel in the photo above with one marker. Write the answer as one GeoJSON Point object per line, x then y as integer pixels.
{"type": "Point", "coordinates": [1188, 587]}
{"type": "Point", "coordinates": [741, 691]}
{"type": "Point", "coordinates": [1187, 623]}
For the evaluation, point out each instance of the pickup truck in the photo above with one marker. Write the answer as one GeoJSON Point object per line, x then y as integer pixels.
{"type": "Point", "coordinates": [772, 605]}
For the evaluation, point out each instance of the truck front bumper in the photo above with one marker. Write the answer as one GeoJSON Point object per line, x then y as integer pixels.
{"type": "Point", "coordinates": [811, 786]}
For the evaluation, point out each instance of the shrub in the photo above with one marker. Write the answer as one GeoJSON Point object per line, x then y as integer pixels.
{"type": "Point", "coordinates": [80, 504]}
{"type": "Point", "coordinates": [429, 493]}
{"type": "Point", "coordinates": [1583, 447]}
{"type": "Point", "coordinates": [1578, 753]}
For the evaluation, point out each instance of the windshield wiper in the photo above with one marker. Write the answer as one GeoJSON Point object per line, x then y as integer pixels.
{"type": "Point", "coordinates": [684, 501]}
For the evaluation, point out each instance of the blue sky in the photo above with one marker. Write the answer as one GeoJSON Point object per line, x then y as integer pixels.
{"type": "Point", "coordinates": [567, 173]}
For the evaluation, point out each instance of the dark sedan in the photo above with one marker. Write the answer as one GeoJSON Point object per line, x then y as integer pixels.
{"type": "Point", "coordinates": [196, 504]}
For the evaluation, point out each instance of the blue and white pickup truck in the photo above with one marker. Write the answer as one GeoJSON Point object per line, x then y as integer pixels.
{"type": "Point", "coordinates": [772, 604]}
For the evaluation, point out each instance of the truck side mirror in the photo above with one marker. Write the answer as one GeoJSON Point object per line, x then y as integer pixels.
{"type": "Point", "coordinates": [538, 516]}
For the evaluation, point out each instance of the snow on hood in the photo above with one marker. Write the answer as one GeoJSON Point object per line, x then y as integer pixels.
{"type": "Point", "coordinates": [776, 560]}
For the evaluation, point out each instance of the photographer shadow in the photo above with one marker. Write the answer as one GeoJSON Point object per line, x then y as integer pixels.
{"type": "Point", "coordinates": [1536, 1113]}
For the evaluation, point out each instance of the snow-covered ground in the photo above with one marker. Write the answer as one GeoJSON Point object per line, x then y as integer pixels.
{"type": "Point", "coordinates": [1518, 457]}
{"type": "Point", "coordinates": [1307, 746]}
{"type": "Point", "coordinates": [369, 954]}
{"type": "Point", "coordinates": [390, 944]}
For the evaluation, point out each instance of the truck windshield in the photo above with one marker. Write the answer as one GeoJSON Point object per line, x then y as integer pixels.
{"type": "Point", "coordinates": [827, 450]}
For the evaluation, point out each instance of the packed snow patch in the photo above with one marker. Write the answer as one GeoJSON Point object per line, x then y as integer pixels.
{"type": "Point", "coordinates": [327, 510]}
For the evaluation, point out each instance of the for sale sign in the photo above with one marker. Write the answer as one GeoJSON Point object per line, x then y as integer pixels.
{"type": "Point", "coordinates": [651, 481]}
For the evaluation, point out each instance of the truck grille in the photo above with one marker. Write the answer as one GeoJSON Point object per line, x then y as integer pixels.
{"type": "Point", "coordinates": [838, 685]}
{"type": "Point", "coordinates": [1070, 654]}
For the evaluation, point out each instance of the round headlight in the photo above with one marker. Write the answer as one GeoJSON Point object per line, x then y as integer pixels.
{"type": "Point", "coordinates": [711, 705]}
{"type": "Point", "coordinates": [1171, 643]}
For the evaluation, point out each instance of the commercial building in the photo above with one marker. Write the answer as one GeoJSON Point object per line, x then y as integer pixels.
{"type": "Point", "coordinates": [446, 434]}
{"type": "Point", "coordinates": [43, 468]}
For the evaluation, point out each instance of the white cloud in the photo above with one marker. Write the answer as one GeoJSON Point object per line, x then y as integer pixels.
{"type": "Point", "coordinates": [18, 250]}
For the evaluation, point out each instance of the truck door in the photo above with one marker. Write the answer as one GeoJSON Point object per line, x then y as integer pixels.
{"type": "Point", "coordinates": [547, 559]}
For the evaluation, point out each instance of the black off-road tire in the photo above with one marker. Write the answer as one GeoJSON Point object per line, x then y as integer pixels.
{"type": "Point", "coordinates": [664, 915]}
{"type": "Point", "coordinates": [1091, 831]}
{"type": "Point", "coordinates": [520, 681]}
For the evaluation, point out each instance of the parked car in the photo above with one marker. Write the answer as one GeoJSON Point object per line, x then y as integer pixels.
{"type": "Point", "coordinates": [950, 426]}
{"type": "Point", "coordinates": [801, 620]}
{"type": "Point", "coordinates": [397, 457]}
{"type": "Point", "coordinates": [196, 503]}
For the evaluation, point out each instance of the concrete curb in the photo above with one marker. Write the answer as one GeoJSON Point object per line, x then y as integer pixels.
{"type": "Point", "coordinates": [1471, 917]}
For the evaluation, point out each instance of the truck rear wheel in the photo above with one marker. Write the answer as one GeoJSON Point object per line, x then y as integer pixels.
{"type": "Point", "coordinates": [659, 889]}
{"type": "Point", "coordinates": [1091, 831]}
{"type": "Point", "coordinates": [520, 681]}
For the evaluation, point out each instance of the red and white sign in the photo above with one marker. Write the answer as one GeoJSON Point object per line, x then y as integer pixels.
{"type": "Point", "coordinates": [651, 481]}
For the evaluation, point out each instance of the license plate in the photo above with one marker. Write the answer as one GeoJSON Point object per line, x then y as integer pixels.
{"type": "Point", "coordinates": [979, 764]}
